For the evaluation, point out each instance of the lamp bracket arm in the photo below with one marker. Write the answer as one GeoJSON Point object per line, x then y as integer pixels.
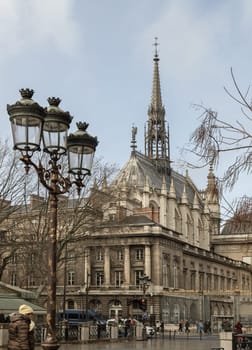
{"type": "Point", "coordinates": [51, 178]}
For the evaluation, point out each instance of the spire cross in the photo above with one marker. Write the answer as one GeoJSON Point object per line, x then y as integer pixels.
{"type": "Point", "coordinates": [156, 45]}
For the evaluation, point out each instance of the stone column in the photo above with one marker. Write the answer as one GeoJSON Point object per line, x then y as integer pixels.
{"type": "Point", "coordinates": [126, 281]}
{"type": "Point", "coordinates": [147, 261]}
{"type": "Point", "coordinates": [87, 268]}
{"type": "Point", "coordinates": [106, 267]}
{"type": "Point", "coordinates": [155, 263]}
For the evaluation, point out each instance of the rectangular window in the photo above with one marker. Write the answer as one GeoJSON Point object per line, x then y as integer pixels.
{"type": "Point", "coordinates": [70, 278]}
{"type": "Point", "coordinates": [99, 278]}
{"type": "Point", "coordinates": [13, 279]}
{"type": "Point", "coordinates": [209, 282]}
{"type": "Point", "coordinates": [222, 283]}
{"type": "Point", "coordinates": [175, 275]}
{"type": "Point", "coordinates": [193, 280]}
{"type": "Point", "coordinates": [139, 254]}
{"type": "Point", "coordinates": [201, 281]}
{"type": "Point", "coordinates": [31, 281]}
{"type": "Point", "coordinates": [120, 255]}
{"type": "Point", "coordinates": [99, 255]}
{"type": "Point", "coordinates": [216, 284]}
{"type": "Point", "coordinates": [118, 278]}
{"type": "Point", "coordinates": [138, 275]}
{"type": "Point", "coordinates": [165, 275]}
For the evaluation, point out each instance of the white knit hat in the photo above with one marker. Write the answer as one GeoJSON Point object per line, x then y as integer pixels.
{"type": "Point", "coordinates": [25, 309]}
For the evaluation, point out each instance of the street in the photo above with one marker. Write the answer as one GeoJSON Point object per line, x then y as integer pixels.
{"type": "Point", "coordinates": [180, 343]}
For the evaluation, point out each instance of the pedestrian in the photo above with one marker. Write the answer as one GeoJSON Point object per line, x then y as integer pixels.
{"type": "Point", "coordinates": [162, 327]}
{"type": "Point", "coordinates": [200, 328]}
{"type": "Point", "coordinates": [207, 327]}
{"type": "Point", "coordinates": [238, 331]}
{"type": "Point", "coordinates": [181, 324]}
{"type": "Point", "coordinates": [65, 327]}
{"type": "Point", "coordinates": [187, 325]}
{"type": "Point", "coordinates": [238, 328]}
{"type": "Point", "coordinates": [127, 327]}
{"type": "Point", "coordinates": [21, 329]}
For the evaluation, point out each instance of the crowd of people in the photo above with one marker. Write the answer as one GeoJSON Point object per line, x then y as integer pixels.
{"type": "Point", "coordinates": [201, 327]}
{"type": "Point", "coordinates": [205, 327]}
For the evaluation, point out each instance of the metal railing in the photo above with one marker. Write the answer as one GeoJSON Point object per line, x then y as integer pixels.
{"type": "Point", "coordinates": [72, 333]}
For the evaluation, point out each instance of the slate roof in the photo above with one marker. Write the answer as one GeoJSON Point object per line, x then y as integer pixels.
{"type": "Point", "coordinates": [139, 166]}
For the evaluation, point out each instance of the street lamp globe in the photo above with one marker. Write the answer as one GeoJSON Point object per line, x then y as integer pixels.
{"type": "Point", "coordinates": [81, 148]}
{"type": "Point", "coordinates": [55, 128]}
{"type": "Point", "coordinates": [27, 118]}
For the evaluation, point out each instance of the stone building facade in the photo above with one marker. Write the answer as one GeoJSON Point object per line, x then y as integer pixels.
{"type": "Point", "coordinates": [157, 240]}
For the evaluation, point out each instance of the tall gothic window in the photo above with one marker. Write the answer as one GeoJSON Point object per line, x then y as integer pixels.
{"type": "Point", "coordinates": [189, 229]}
{"type": "Point", "coordinates": [166, 271]}
{"type": "Point", "coordinates": [177, 221]}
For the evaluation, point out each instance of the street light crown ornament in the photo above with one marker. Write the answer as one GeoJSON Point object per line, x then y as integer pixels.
{"type": "Point", "coordinates": [82, 126]}
{"type": "Point", "coordinates": [54, 101]}
{"type": "Point", "coordinates": [26, 93]}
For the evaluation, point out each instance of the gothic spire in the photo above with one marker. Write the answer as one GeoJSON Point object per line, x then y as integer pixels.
{"type": "Point", "coordinates": [156, 99]}
{"type": "Point", "coordinates": [212, 192]}
{"type": "Point", "coordinates": [156, 135]}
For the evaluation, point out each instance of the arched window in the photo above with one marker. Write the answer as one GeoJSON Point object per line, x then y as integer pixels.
{"type": "Point", "coordinates": [70, 304]}
{"type": "Point", "coordinates": [154, 211]}
{"type": "Point", "coordinates": [178, 222]}
{"type": "Point", "coordinates": [189, 223]}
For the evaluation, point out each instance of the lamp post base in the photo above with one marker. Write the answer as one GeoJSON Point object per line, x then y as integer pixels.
{"type": "Point", "coordinates": [50, 343]}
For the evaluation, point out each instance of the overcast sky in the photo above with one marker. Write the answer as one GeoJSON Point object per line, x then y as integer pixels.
{"type": "Point", "coordinates": [97, 56]}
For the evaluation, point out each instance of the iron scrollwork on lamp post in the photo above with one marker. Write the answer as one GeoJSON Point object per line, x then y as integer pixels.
{"type": "Point", "coordinates": [33, 125]}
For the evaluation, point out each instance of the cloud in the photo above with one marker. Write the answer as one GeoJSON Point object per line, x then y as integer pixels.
{"type": "Point", "coordinates": [29, 24]}
{"type": "Point", "coordinates": [199, 35]}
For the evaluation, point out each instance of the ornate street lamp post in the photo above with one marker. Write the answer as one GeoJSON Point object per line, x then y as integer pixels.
{"type": "Point", "coordinates": [144, 282]}
{"type": "Point", "coordinates": [31, 126]}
